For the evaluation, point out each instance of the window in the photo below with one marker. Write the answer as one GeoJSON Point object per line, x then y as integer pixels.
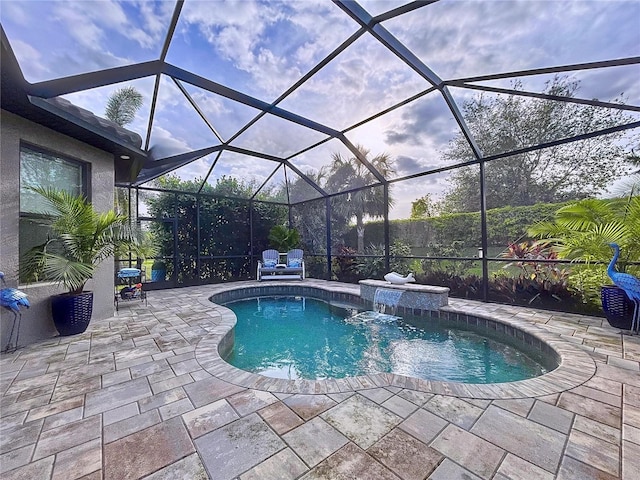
{"type": "Point", "coordinates": [44, 169]}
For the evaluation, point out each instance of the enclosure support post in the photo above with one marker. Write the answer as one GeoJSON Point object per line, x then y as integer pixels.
{"type": "Point", "coordinates": [198, 243]}
{"type": "Point", "coordinates": [327, 202]}
{"type": "Point", "coordinates": [130, 192]}
{"type": "Point", "coordinates": [176, 244]}
{"type": "Point", "coordinates": [251, 250]}
{"type": "Point", "coordinates": [387, 250]}
{"type": "Point", "coordinates": [483, 233]}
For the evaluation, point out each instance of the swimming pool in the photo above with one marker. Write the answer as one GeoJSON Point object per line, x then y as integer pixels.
{"type": "Point", "coordinates": [306, 338]}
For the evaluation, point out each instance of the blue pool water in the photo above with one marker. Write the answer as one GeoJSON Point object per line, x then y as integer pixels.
{"type": "Point", "coordinates": [295, 337]}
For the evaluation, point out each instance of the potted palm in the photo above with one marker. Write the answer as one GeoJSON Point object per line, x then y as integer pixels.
{"type": "Point", "coordinates": [80, 240]}
{"type": "Point", "coordinates": [283, 239]}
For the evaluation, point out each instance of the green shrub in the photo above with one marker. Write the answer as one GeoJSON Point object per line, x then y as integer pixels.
{"type": "Point", "coordinates": [505, 225]}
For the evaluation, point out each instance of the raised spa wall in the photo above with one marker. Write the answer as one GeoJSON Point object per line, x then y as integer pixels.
{"type": "Point", "coordinates": [409, 296]}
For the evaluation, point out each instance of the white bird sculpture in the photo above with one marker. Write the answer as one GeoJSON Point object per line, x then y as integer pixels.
{"type": "Point", "coordinates": [12, 299]}
{"type": "Point", "coordinates": [397, 279]}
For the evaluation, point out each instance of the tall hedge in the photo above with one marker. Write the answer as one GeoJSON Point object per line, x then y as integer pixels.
{"type": "Point", "coordinates": [504, 225]}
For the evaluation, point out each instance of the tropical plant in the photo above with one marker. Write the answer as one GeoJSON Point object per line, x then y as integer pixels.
{"type": "Point", "coordinates": [344, 266]}
{"type": "Point", "coordinates": [372, 266]}
{"type": "Point", "coordinates": [123, 104]}
{"type": "Point", "coordinates": [524, 289]}
{"type": "Point", "coordinates": [536, 279]}
{"type": "Point", "coordinates": [582, 231]}
{"type": "Point", "coordinates": [145, 246]}
{"type": "Point", "coordinates": [309, 216]}
{"type": "Point", "coordinates": [224, 223]}
{"type": "Point", "coordinates": [283, 239]}
{"type": "Point", "coordinates": [353, 176]}
{"type": "Point", "coordinates": [80, 240]}
{"type": "Point", "coordinates": [631, 183]}
{"type": "Point", "coordinates": [450, 267]}
{"type": "Point", "coordinates": [424, 207]}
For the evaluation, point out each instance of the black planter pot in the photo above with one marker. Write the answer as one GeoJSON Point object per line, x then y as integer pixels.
{"type": "Point", "coordinates": [72, 312]}
{"type": "Point", "coordinates": [617, 307]}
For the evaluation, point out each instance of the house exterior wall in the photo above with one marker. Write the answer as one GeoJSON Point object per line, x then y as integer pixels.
{"type": "Point", "coordinates": [37, 323]}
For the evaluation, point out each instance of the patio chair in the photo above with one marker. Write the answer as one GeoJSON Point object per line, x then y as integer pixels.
{"type": "Point", "coordinates": [270, 269]}
{"type": "Point", "coordinates": [270, 258]}
{"type": "Point", "coordinates": [295, 262]}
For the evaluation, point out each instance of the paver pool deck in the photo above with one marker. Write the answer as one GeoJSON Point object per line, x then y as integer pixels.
{"type": "Point", "coordinates": [144, 395]}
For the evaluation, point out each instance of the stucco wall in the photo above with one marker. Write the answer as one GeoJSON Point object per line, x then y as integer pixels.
{"type": "Point", "coordinates": [36, 321]}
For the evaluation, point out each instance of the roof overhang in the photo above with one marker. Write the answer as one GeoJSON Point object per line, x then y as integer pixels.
{"type": "Point", "coordinates": [63, 117]}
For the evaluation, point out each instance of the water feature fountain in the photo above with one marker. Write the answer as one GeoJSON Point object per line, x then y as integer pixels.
{"type": "Point", "coordinates": [386, 298]}
{"type": "Point", "coordinates": [407, 297]}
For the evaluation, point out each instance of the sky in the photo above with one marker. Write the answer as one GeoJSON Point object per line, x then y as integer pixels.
{"type": "Point", "coordinates": [262, 48]}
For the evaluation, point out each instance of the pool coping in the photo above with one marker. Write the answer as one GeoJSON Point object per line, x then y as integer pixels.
{"type": "Point", "coordinates": [575, 366]}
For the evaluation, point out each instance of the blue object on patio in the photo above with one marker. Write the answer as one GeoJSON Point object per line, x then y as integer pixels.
{"type": "Point", "coordinates": [628, 283]}
{"type": "Point", "coordinates": [12, 299]}
{"type": "Point", "coordinates": [129, 272]}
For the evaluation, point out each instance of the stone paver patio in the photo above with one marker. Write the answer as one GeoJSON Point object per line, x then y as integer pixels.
{"type": "Point", "coordinates": [144, 394]}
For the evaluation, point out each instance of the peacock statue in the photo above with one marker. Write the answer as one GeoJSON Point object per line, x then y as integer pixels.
{"type": "Point", "coordinates": [628, 283]}
{"type": "Point", "coordinates": [12, 299]}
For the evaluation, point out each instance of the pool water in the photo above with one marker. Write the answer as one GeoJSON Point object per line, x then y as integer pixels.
{"type": "Point", "coordinates": [297, 337]}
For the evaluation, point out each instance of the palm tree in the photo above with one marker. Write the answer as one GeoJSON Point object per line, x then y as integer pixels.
{"type": "Point", "coordinates": [308, 211]}
{"type": "Point", "coordinates": [80, 240]}
{"type": "Point", "coordinates": [123, 104]}
{"type": "Point", "coordinates": [350, 174]}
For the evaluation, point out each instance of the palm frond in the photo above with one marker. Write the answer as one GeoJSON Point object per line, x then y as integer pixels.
{"type": "Point", "coordinates": [82, 239]}
{"type": "Point", "coordinates": [583, 230]}
{"type": "Point", "coordinates": [62, 270]}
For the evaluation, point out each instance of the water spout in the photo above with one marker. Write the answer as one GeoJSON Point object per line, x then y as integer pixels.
{"type": "Point", "coordinates": [386, 298]}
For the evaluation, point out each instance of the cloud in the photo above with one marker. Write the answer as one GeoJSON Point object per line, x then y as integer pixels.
{"type": "Point", "coordinates": [30, 58]}
{"type": "Point", "coordinates": [407, 163]}
{"type": "Point", "coordinates": [165, 144]}
{"type": "Point", "coordinates": [425, 121]}
{"type": "Point", "coordinates": [78, 36]}
{"type": "Point", "coordinates": [609, 84]}
{"type": "Point", "coordinates": [359, 82]}
{"type": "Point", "coordinates": [236, 31]}
{"type": "Point", "coordinates": [210, 104]}
{"type": "Point", "coordinates": [395, 137]}
{"type": "Point", "coordinates": [274, 43]}
{"type": "Point", "coordinates": [460, 39]}
{"type": "Point", "coordinates": [94, 24]}
{"type": "Point", "coordinates": [275, 136]}
{"type": "Point", "coordinates": [247, 168]}
{"type": "Point", "coordinates": [155, 17]}
{"type": "Point", "coordinates": [86, 21]}
{"type": "Point", "coordinates": [263, 47]}
{"type": "Point", "coordinates": [16, 12]}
